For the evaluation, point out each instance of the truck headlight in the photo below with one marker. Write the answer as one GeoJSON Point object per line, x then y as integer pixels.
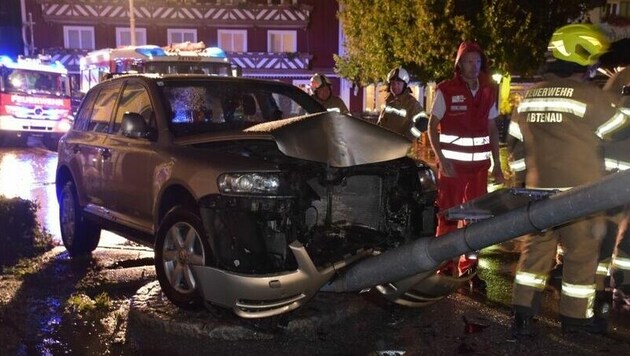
{"type": "Point", "coordinates": [249, 183]}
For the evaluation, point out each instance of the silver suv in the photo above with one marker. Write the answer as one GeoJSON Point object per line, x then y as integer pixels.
{"type": "Point", "coordinates": [251, 195]}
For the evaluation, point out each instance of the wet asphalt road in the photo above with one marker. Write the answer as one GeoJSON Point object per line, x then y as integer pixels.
{"type": "Point", "coordinates": [463, 323]}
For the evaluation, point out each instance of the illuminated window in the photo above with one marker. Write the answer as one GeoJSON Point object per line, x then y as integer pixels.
{"type": "Point", "coordinates": [304, 84]}
{"type": "Point", "coordinates": [374, 100]}
{"type": "Point", "coordinates": [233, 40]}
{"type": "Point", "coordinates": [618, 8]}
{"type": "Point", "coordinates": [123, 36]}
{"type": "Point", "coordinates": [81, 37]}
{"type": "Point", "coordinates": [181, 35]}
{"type": "Point", "coordinates": [281, 41]}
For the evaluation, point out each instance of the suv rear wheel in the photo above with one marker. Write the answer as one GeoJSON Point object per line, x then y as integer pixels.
{"type": "Point", "coordinates": [79, 235]}
{"type": "Point", "coordinates": [180, 244]}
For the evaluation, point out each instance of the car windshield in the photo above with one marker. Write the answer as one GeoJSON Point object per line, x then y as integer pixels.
{"type": "Point", "coordinates": [215, 106]}
{"type": "Point", "coordinates": [180, 67]}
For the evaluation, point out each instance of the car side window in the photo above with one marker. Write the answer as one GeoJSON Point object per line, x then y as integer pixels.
{"type": "Point", "coordinates": [135, 99]}
{"type": "Point", "coordinates": [85, 112]}
{"type": "Point", "coordinates": [103, 108]}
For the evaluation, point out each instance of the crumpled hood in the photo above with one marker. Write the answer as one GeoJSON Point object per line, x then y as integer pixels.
{"type": "Point", "coordinates": [334, 138]}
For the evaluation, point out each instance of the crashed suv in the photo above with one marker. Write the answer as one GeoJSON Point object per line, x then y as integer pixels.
{"type": "Point", "coordinates": [252, 196]}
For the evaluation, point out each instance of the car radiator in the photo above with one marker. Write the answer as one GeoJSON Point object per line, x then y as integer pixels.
{"type": "Point", "coordinates": [354, 200]}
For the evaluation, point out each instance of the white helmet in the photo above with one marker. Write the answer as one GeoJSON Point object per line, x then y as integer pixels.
{"type": "Point", "coordinates": [318, 80]}
{"type": "Point", "coordinates": [399, 73]}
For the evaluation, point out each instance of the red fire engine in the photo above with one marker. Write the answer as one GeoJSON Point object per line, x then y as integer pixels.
{"type": "Point", "coordinates": [180, 58]}
{"type": "Point", "coordinates": [34, 99]}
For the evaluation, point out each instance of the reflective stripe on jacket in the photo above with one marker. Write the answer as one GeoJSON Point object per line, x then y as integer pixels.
{"type": "Point", "coordinates": [399, 112]}
{"type": "Point", "coordinates": [560, 122]}
{"type": "Point", "coordinates": [464, 135]}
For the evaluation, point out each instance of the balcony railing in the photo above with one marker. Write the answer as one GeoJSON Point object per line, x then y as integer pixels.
{"type": "Point", "coordinates": [271, 61]}
{"type": "Point", "coordinates": [250, 62]}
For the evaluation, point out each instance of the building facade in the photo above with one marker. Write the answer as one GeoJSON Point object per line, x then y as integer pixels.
{"type": "Point", "coordinates": [287, 40]}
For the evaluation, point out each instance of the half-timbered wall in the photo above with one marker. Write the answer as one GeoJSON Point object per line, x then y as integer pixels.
{"type": "Point", "coordinates": [314, 23]}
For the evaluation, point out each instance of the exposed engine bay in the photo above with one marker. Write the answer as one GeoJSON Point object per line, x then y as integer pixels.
{"type": "Point", "coordinates": [333, 212]}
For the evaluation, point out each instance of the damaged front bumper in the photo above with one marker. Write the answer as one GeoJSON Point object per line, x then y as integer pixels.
{"type": "Point", "coordinates": [261, 296]}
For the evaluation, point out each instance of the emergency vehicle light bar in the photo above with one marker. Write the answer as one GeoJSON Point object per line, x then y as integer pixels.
{"type": "Point", "coordinates": [151, 51]}
{"type": "Point", "coordinates": [42, 63]}
{"type": "Point", "coordinates": [215, 52]}
{"type": "Point", "coordinates": [5, 59]}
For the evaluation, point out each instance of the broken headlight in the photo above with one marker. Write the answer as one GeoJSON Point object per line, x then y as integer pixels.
{"type": "Point", "coordinates": [250, 183]}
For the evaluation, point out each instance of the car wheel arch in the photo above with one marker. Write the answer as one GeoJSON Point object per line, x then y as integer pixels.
{"type": "Point", "coordinates": [171, 197]}
{"type": "Point", "coordinates": [63, 175]}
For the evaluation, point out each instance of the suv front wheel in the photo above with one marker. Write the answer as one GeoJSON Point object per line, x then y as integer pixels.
{"type": "Point", "coordinates": [180, 244]}
{"type": "Point", "coordinates": [79, 235]}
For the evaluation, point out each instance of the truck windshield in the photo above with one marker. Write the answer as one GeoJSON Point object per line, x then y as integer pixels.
{"type": "Point", "coordinates": [29, 81]}
{"type": "Point", "coordinates": [222, 69]}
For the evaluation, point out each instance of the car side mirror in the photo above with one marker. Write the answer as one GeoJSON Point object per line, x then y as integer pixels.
{"type": "Point", "coordinates": [133, 125]}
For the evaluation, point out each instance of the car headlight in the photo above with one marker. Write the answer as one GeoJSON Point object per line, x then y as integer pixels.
{"type": "Point", "coordinates": [249, 183]}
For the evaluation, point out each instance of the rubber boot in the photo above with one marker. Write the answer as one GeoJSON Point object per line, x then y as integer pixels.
{"type": "Point", "coordinates": [603, 305]}
{"type": "Point", "coordinates": [522, 325]}
{"type": "Point", "coordinates": [578, 326]}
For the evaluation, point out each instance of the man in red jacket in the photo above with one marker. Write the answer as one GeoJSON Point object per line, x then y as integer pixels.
{"type": "Point", "coordinates": [465, 138]}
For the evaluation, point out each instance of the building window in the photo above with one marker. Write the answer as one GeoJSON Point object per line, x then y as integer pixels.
{"type": "Point", "coordinates": [618, 8]}
{"type": "Point", "coordinates": [181, 35]}
{"type": "Point", "coordinates": [81, 37]}
{"type": "Point", "coordinates": [233, 40]}
{"type": "Point", "coordinates": [281, 41]}
{"type": "Point", "coordinates": [123, 36]}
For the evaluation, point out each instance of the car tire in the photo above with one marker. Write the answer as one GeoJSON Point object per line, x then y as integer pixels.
{"type": "Point", "coordinates": [180, 243]}
{"type": "Point", "coordinates": [79, 235]}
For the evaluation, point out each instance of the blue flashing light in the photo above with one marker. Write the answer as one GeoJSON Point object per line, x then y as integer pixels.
{"type": "Point", "coordinates": [151, 51]}
{"type": "Point", "coordinates": [5, 60]}
{"type": "Point", "coordinates": [215, 52]}
{"type": "Point", "coordinates": [59, 65]}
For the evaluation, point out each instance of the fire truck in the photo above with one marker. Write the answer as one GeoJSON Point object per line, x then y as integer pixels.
{"type": "Point", "coordinates": [183, 58]}
{"type": "Point", "coordinates": [34, 99]}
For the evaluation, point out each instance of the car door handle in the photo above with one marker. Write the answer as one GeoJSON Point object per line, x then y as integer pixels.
{"type": "Point", "coordinates": [105, 153]}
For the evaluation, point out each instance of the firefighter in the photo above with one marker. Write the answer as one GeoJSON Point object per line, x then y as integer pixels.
{"type": "Point", "coordinates": [402, 112]}
{"type": "Point", "coordinates": [562, 121]}
{"type": "Point", "coordinates": [465, 138]}
{"type": "Point", "coordinates": [620, 264]}
{"type": "Point", "coordinates": [614, 266]}
{"type": "Point", "coordinates": [321, 87]}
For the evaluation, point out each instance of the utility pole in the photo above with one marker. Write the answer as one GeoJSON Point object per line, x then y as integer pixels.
{"type": "Point", "coordinates": [132, 23]}
{"type": "Point", "coordinates": [29, 46]}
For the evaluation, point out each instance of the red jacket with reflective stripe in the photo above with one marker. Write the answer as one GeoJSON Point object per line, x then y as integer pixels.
{"type": "Point", "coordinates": [467, 116]}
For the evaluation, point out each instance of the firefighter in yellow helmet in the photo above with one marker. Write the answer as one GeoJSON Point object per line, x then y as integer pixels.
{"type": "Point", "coordinates": [562, 122]}
{"type": "Point", "coordinates": [321, 87]}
